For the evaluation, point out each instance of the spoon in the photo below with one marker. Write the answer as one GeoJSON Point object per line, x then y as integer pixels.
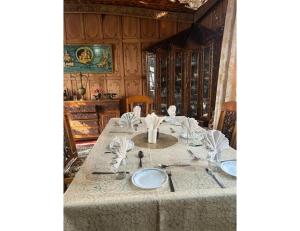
{"type": "Point", "coordinates": [140, 155]}
{"type": "Point", "coordinates": [177, 165]}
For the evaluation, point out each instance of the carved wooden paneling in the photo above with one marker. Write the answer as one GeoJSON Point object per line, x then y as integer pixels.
{"type": "Point", "coordinates": [93, 27]}
{"type": "Point", "coordinates": [149, 28]}
{"type": "Point", "coordinates": [94, 85]}
{"type": "Point", "coordinates": [131, 27]}
{"type": "Point", "coordinates": [132, 59]}
{"type": "Point", "coordinates": [167, 28]}
{"type": "Point", "coordinates": [74, 28]}
{"type": "Point", "coordinates": [114, 86]}
{"type": "Point", "coordinates": [111, 28]}
{"type": "Point", "coordinates": [133, 87]}
{"type": "Point", "coordinates": [182, 26]}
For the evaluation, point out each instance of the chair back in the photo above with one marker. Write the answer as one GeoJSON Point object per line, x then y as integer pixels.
{"type": "Point", "coordinates": [70, 151]}
{"type": "Point", "coordinates": [145, 102]}
{"type": "Point", "coordinates": [227, 122]}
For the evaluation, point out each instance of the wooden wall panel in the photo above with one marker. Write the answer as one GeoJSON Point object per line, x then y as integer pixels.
{"type": "Point", "coordinates": [149, 28]}
{"type": "Point", "coordinates": [132, 59]}
{"type": "Point", "coordinates": [133, 87]}
{"type": "Point", "coordinates": [74, 28]}
{"type": "Point", "coordinates": [167, 28]}
{"type": "Point", "coordinates": [93, 27]}
{"type": "Point", "coordinates": [130, 27]}
{"type": "Point", "coordinates": [96, 84]}
{"type": "Point", "coordinates": [115, 86]}
{"type": "Point", "coordinates": [182, 26]}
{"type": "Point", "coordinates": [111, 28]}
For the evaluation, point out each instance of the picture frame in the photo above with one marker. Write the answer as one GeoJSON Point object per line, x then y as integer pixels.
{"type": "Point", "coordinates": [88, 58]}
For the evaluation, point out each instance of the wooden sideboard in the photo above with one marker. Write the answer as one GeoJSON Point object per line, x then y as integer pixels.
{"type": "Point", "coordinates": [88, 118]}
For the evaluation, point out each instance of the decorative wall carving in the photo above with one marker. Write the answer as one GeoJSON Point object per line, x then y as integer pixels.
{"type": "Point", "coordinates": [149, 28]}
{"type": "Point", "coordinates": [132, 59]}
{"type": "Point", "coordinates": [131, 27]}
{"type": "Point", "coordinates": [74, 28]}
{"type": "Point", "coordinates": [133, 87]}
{"type": "Point", "coordinates": [114, 86]}
{"type": "Point", "coordinates": [112, 26]}
{"type": "Point", "coordinates": [93, 27]}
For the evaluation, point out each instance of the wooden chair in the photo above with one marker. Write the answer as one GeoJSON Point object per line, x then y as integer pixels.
{"type": "Point", "coordinates": [227, 122]}
{"type": "Point", "coordinates": [145, 102]}
{"type": "Point", "coordinates": [72, 162]}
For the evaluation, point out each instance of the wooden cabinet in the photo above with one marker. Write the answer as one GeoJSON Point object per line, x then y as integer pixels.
{"type": "Point", "coordinates": [89, 118]}
{"type": "Point", "coordinates": [184, 78]}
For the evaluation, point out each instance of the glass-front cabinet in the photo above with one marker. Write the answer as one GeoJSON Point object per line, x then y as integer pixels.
{"type": "Point", "coordinates": [183, 77]}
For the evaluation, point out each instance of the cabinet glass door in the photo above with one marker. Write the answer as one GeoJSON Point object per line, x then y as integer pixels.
{"type": "Point", "coordinates": [194, 84]}
{"type": "Point", "coordinates": [207, 55]}
{"type": "Point", "coordinates": [163, 85]}
{"type": "Point", "coordinates": [151, 76]}
{"type": "Point", "coordinates": [178, 82]}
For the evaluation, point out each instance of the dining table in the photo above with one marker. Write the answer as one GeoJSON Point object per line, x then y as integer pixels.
{"type": "Point", "coordinates": [103, 202]}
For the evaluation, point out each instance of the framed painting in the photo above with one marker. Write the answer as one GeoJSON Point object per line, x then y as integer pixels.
{"type": "Point", "coordinates": [95, 58]}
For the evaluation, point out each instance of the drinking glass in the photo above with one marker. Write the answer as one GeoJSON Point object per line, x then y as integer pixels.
{"type": "Point", "coordinates": [122, 170]}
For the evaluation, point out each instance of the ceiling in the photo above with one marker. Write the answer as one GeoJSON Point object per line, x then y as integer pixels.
{"type": "Point", "coordinates": [165, 5]}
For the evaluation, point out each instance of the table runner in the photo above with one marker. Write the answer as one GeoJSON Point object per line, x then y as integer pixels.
{"type": "Point", "coordinates": [100, 202]}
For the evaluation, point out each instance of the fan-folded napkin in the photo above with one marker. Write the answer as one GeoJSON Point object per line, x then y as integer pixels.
{"type": "Point", "coordinates": [128, 119]}
{"type": "Point", "coordinates": [216, 142]}
{"type": "Point", "coordinates": [121, 150]}
{"type": "Point", "coordinates": [191, 126]}
{"type": "Point", "coordinates": [172, 111]}
{"type": "Point", "coordinates": [137, 111]}
{"type": "Point", "coordinates": [152, 123]}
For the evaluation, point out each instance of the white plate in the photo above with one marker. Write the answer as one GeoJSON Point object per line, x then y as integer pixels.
{"type": "Point", "coordinates": [149, 178]}
{"type": "Point", "coordinates": [229, 167]}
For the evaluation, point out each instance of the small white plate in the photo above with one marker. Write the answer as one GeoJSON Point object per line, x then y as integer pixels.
{"type": "Point", "coordinates": [229, 167]}
{"type": "Point", "coordinates": [149, 178]}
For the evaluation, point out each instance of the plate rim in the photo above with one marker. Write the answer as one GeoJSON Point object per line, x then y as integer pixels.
{"type": "Point", "coordinates": [143, 169]}
{"type": "Point", "coordinates": [224, 162]}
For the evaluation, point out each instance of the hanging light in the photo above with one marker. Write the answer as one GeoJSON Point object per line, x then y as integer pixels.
{"type": "Point", "coordinates": [193, 4]}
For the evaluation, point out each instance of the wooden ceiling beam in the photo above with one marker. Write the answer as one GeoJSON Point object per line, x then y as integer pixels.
{"type": "Point", "coordinates": [200, 13]}
{"type": "Point", "coordinates": [128, 11]}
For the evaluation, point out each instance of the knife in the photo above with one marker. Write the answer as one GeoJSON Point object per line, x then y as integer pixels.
{"type": "Point", "coordinates": [108, 172]}
{"type": "Point", "coordinates": [209, 172]}
{"type": "Point", "coordinates": [120, 132]}
{"type": "Point", "coordinates": [170, 181]}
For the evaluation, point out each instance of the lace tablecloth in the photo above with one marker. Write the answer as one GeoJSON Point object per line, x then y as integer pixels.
{"type": "Point", "coordinates": [100, 202]}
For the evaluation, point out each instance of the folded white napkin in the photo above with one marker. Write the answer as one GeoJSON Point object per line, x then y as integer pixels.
{"type": "Point", "coordinates": [153, 121]}
{"type": "Point", "coordinates": [216, 142]}
{"type": "Point", "coordinates": [172, 111]}
{"type": "Point", "coordinates": [190, 125]}
{"type": "Point", "coordinates": [120, 151]}
{"type": "Point", "coordinates": [115, 144]}
{"type": "Point", "coordinates": [137, 111]}
{"type": "Point", "coordinates": [128, 119]}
